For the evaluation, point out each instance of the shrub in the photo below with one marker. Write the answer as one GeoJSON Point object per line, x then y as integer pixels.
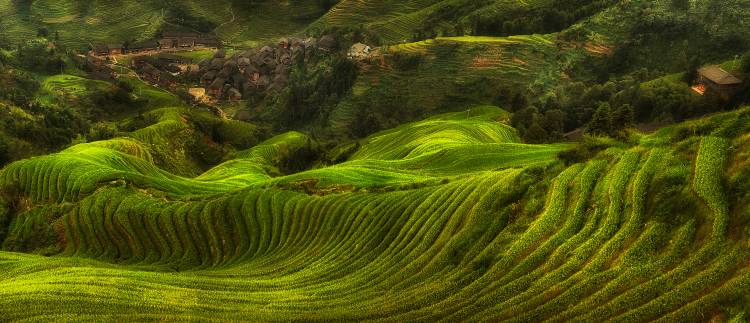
{"type": "Point", "coordinates": [745, 65]}
{"type": "Point", "coordinates": [583, 151]}
{"type": "Point", "coordinates": [241, 135]}
{"type": "Point", "coordinates": [4, 150]}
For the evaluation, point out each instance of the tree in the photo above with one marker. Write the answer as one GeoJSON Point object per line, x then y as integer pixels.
{"type": "Point", "coordinates": [42, 32]}
{"type": "Point", "coordinates": [35, 55]}
{"type": "Point", "coordinates": [327, 4]}
{"type": "Point", "coordinates": [4, 150]}
{"type": "Point", "coordinates": [364, 123]}
{"type": "Point", "coordinates": [692, 70]}
{"type": "Point", "coordinates": [601, 122]}
{"type": "Point", "coordinates": [554, 122]}
{"type": "Point", "coordinates": [745, 65]}
{"type": "Point", "coordinates": [535, 133]}
{"type": "Point", "coordinates": [623, 117]}
{"type": "Point", "coordinates": [524, 117]}
{"type": "Point", "coordinates": [682, 5]}
{"type": "Point", "coordinates": [520, 101]}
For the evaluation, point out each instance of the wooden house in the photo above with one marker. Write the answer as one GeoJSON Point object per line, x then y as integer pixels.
{"type": "Point", "coordinates": [718, 80]}
{"type": "Point", "coordinates": [100, 50]}
{"type": "Point", "coordinates": [143, 46]}
{"type": "Point", "coordinates": [115, 49]}
{"type": "Point", "coordinates": [208, 42]}
{"type": "Point", "coordinates": [167, 43]}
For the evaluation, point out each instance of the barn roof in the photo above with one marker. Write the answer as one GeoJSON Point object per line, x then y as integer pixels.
{"type": "Point", "coordinates": [719, 76]}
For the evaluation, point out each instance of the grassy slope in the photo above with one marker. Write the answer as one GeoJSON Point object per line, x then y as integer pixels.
{"type": "Point", "coordinates": [429, 221]}
{"type": "Point", "coordinates": [469, 246]}
{"type": "Point", "coordinates": [398, 22]}
{"type": "Point", "coordinates": [80, 23]}
{"type": "Point", "coordinates": [455, 73]}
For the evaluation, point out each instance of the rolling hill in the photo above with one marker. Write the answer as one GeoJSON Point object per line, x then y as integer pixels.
{"type": "Point", "coordinates": [438, 211]}
{"type": "Point", "coordinates": [80, 23]}
{"type": "Point", "coordinates": [642, 231]}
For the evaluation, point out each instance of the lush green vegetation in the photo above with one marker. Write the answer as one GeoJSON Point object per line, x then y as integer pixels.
{"type": "Point", "coordinates": [437, 180]}
{"type": "Point", "coordinates": [481, 228]}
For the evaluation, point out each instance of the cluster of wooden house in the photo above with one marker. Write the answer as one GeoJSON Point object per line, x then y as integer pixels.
{"type": "Point", "coordinates": [168, 41]}
{"type": "Point", "coordinates": [163, 69]}
{"type": "Point", "coordinates": [258, 69]}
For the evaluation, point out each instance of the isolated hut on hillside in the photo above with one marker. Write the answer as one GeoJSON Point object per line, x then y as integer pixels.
{"type": "Point", "coordinates": [717, 79]}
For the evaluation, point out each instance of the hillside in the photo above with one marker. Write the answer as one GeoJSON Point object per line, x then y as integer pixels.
{"type": "Point", "coordinates": [611, 238]}
{"type": "Point", "coordinates": [391, 161]}
{"type": "Point", "coordinates": [78, 23]}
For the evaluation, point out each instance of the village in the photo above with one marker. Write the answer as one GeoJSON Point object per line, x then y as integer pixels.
{"type": "Point", "coordinates": [222, 77]}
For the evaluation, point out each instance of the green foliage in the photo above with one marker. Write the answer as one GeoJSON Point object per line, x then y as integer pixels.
{"type": "Point", "coordinates": [5, 156]}
{"type": "Point", "coordinates": [451, 208]}
{"type": "Point", "coordinates": [553, 17]}
{"type": "Point", "coordinates": [745, 65]}
{"type": "Point", "coordinates": [38, 55]}
{"type": "Point", "coordinates": [582, 152]}
{"type": "Point", "coordinates": [407, 61]}
{"type": "Point", "coordinates": [5, 218]}
{"type": "Point", "coordinates": [450, 218]}
{"type": "Point", "coordinates": [314, 88]}
{"type": "Point", "coordinates": [179, 14]}
{"type": "Point", "coordinates": [33, 231]}
{"type": "Point", "coordinates": [601, 122]}
{"type": "Point", "coordinates": [682, 5]}
{"type": "Point", "coordinates": [709, 183]}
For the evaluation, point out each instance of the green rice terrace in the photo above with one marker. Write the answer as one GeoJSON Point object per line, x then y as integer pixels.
{"type": "Point", "coordinates": [388, 161]}
{"type": "Point", "coordinates": [450, 218]}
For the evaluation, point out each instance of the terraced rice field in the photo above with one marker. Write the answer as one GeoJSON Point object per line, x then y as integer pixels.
{"type": "Point", "coordinates": [81, 23]}
{"type": "Point", "coordinates": [66, 85]}
{"type": "Point", "coordinates": [451, 69]}
{"type": "Point", "coordinates": [398, 22]}
{"type": "Point", "coordinates": [491, 230]}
